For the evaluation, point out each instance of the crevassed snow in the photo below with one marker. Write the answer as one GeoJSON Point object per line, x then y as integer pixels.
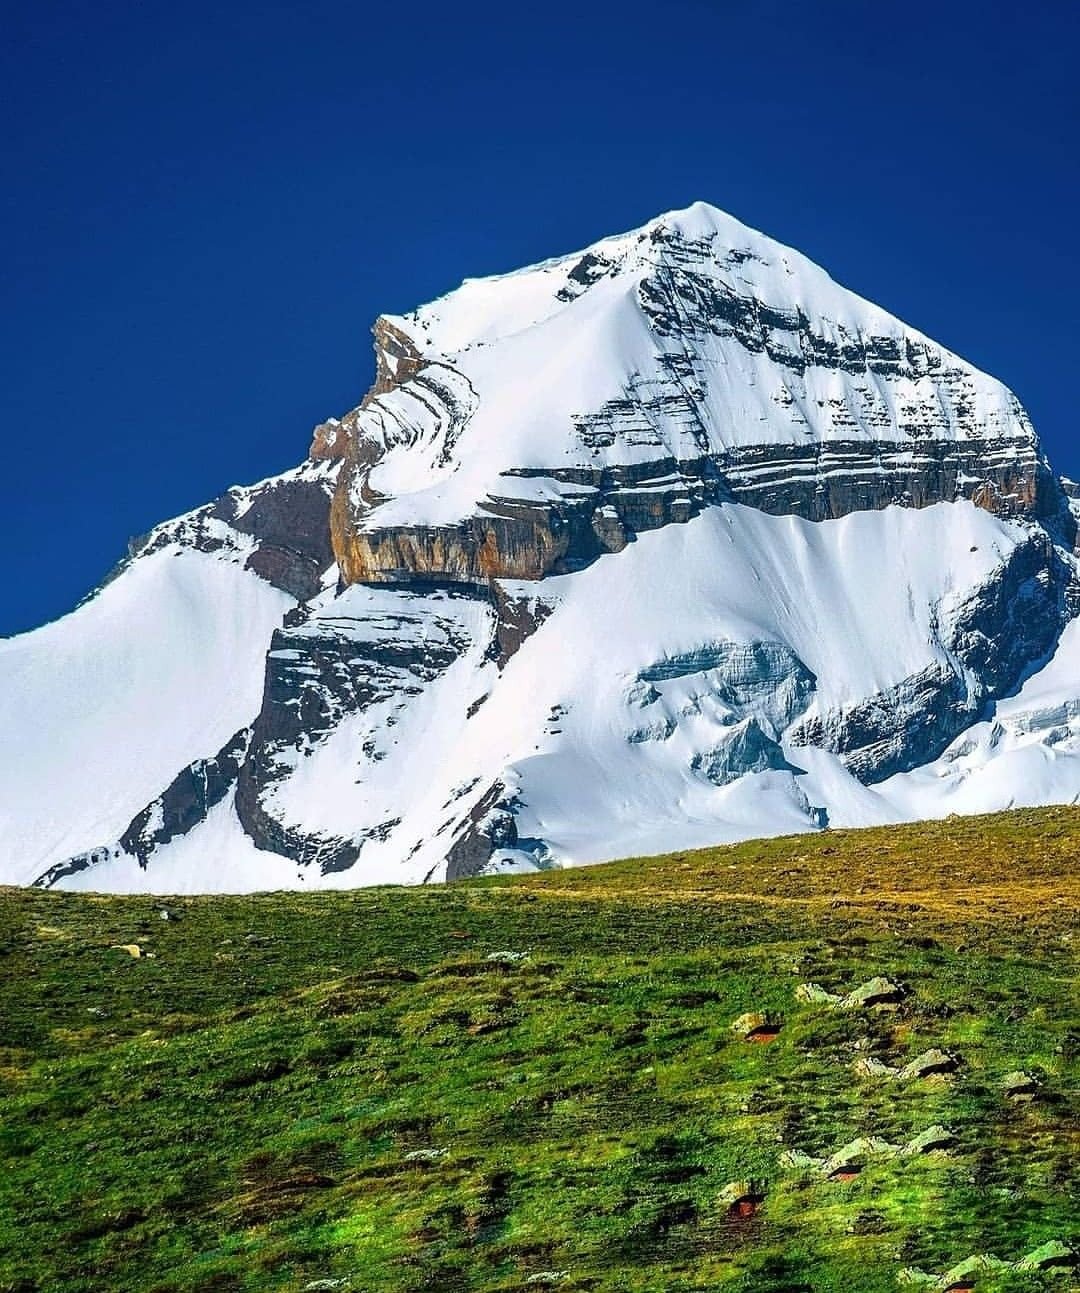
{"type": "Point", "coordinates": [100, 710]}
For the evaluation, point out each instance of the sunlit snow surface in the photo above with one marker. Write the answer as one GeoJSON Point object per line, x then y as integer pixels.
{"type": "Point", "coordinates": [572, 350]}
{"type": "Point", "coordinates": [602, 765]}
{"type": "Point", "coordinates": [101, 709]}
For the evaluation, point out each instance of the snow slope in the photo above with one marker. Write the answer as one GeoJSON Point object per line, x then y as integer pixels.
{"type": "Point", "coordinates": [100, 710]}
{"type": "Point", "coordinates": [1027, 754]}
{"type": "Point", "coordinates": [853, 600]}
{"type": "Point", "coordinates": [603, 727]}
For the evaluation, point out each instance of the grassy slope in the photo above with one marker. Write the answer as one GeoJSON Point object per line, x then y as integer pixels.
{"type": "Point", "coordinates": [317, 1087]}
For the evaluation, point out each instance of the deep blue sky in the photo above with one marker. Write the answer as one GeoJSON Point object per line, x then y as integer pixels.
{"type": "Point", "coordinates": [204, 207]}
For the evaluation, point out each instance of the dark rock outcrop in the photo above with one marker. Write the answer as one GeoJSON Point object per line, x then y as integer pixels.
{"type": "Point", "coordinates": [489, 826]}
{"type": "Point", "coordinates": [995, 638]}
{"type": "Point", "coordinates": [320, 671]}
{"type": "Point", "coordinates": [183, 804]}
{"type": "Point", "coordinates": [518, 618]}
{"type": "Point", "coordinates": [281, 528]}
{"type": "Point", "coordinates": [186, 801]}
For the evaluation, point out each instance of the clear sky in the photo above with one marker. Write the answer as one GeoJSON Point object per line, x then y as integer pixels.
{"type": "Point", "coordinates": [204, 207]}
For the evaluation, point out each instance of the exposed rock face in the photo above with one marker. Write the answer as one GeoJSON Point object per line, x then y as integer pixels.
{"type": "Point", "coordinates": [897, 729]}
{"type": "Point", "coordinates": [186, 801]}
{"type": "Point", "coordinates": [861, 419]}
{"type": "Point", "coordinates": [489, 826]}
{"type": "Point", "coordinates": [323, 671]}
{"type": "Point", "coordinates": [180, 807]}
{"type": "Point", "coordinates": [290, 523]}
{"type": "Point", "coordinates": [1007, 477]}
{"type": "Point", "coordinates": [520, 614]}
{"type": "Point", "coordinates": [479, 549]}
{"type": "Point", "coordinates": [516, 539]}
{"type": "Point", "coordinates": [397, 360]}
{"type": "Point", "coordinates": [279, 528]}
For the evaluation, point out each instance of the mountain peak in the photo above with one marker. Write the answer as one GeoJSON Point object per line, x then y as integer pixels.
{"type": "Point", "coordinates": [667, 541]}
{"type": "Point", "coordinates": [692, 337]}
{"type": "Point", "coordinates": [701, 219]}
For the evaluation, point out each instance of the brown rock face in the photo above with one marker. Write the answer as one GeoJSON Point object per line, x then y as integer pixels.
{"type": "Point", "coordinates": [518, 540]}
{"type": "Point", "coordinates": [476, 551]}
{"type": "Point", "coordinates": [396, 360]}
{"type": "Point", "coordinates": [328, 441]}
{"type": "Point", "coordinates": [286, 516]}
{"type": "Point", "coordinates": [518, 618]}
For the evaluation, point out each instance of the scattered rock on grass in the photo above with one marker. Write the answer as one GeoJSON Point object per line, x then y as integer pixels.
{"type": "Point", "coordinates": [1051, 1256]}
{"type": "Point", "coordinates": [930, 1141]}
{"type": "Point", "coordinates": [867, 1223]}
{"type": "Point", "coordinates": [741, 1199]}
{"type": "Point", "coordinates": [815, 995]}
{"type": "Point", "coordinates": [877, 992]}
{"type": "Point", "coordinates": [867, 1066]}
{"type": "Point", "coordinates": [850, 1159]}
{"type": "Point", "coordinates": [929, 1064]}
{"type": "Point", "coordinates": [756, 1027]}
{"type": "Point", "coordinates": [913, 1275]}
{"type": "Point", "coordinates": [962, 1276]}
{"type": "Point", "coordinates": [424, 1155]}
{"type": "Point", "coordinates": [800, 1162]}
{"type": "Point", "coordinates": [1020, 1086]}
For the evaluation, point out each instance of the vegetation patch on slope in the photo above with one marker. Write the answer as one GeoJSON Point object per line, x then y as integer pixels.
{"type": "Point", "coordinates": [658, 1074]}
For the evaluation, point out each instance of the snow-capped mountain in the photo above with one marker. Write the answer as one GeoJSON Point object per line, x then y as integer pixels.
{"type": "Point", "coordinates": [664, 543]}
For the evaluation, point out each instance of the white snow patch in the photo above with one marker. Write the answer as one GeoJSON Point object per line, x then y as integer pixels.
{"type": "Point", "coordinates": [100, 710]}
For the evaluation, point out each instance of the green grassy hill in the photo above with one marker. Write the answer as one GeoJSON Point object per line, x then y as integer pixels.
{"type": "Point", "coordinates": [534, 1082]}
